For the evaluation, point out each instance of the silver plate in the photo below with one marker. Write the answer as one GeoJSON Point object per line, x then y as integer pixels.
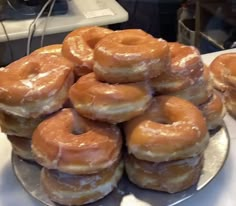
{"type": "Point", "coordinates": [28, 174]}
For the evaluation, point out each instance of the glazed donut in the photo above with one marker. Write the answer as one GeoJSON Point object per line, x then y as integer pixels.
{"type": "Point", "coordinates": [199, 92]}
{"type": "Point", "coordinates": [21, 147]}
{"type": "Point", "coordinates": [230, 76]}
{"type": "Point", "coordinates": [185, 69]}
{"type": "Point", "coordinates": [75, 145]}
{"type": "Point", "coordinates": [111, 103]}
{"type": "Point", "coordinates": [35, 85]}
{"type": "Point", "coordinates": [171, 177]}
{"type": "Point", "coordinates": [19, 126]}
{"type": "Point", "coordinates": [230, 100]}
{"type": "Point", "coordinates": [70, 189]}
{"type": "Point", "coordinates": [78, 47]}
{"type": "Point", "coordinates": [222, 65]}
{"type": "Point", "coordinates": [50, 49]}
{"type": "Point", "coordinates": [213, 110]}
{"type": "Point", "coordinates": [171, 129]}
{"type": "Point", "coordinates": [129, 56]}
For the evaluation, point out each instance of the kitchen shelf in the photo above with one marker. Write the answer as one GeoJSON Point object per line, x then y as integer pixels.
{"type": "Point", "coordinates": [225, 11]}
{"type": "Point", "coordinates": [222, 10]}
{"type": "Point", "coordinates": [211, 40]}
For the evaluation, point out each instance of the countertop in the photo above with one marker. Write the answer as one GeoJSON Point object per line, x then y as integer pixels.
{"type": "Point", "coordinates": [220, 191]}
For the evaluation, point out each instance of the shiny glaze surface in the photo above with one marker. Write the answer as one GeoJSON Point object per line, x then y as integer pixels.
{"type": "Point", "coordinates": [171, 176]}
{"type": "Point", "coordinates": [19, 126]}
{"type": "Point", "coordinates": [80, 189]}
{"type": "Point", "coordinates": [130, 55]}
{"type": "Point", "coordinates": [223, 67]}
{"type": "Point", "coordinates": [109, 102]}
{"type": "Point", "coordinates": [33, 78]}
{"type": "Point", "coordinates": [78, 47]}
{"type": "Point", "coordinates": [50, 49]}
{"type": "Point", "coordinates": [171, 128]}
{"type": "Point", "coordinates": [213, 110]}
{"type": "Point", "coordinates": [70, 143]}
{"type": "Point", "coordinates": [230, 100]}
{"type": "Point", "coordinates": [185, 68]}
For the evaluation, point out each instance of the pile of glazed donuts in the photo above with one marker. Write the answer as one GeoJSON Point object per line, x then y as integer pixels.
{"type": "Point", "coordinates": [106, 99]}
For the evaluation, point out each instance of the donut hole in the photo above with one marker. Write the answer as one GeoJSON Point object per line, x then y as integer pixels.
{"type": "Point", "coordinates": [31, 69]}
{"type": "Point", "coordinates": [77, 126]}
{"type": "Point", "coordinates": [132, 41]}
{"type": "Point", "coordinates": [77, 131]}
{"type": "Point", "coordinates": [161, 120]}
{"type": "Point", "coordinates": [92, 42]}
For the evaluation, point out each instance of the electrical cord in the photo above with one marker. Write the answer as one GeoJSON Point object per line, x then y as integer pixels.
{"type": "Point", "coordinates": [32, 26]}
{"type": "Point", "coordinates": [46, 22]}
{"type": "Point", "coordinates": [8, 41]}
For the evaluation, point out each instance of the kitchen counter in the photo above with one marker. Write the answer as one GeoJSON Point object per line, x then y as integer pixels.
{"type": "Point", "coordinates": [80, 13]}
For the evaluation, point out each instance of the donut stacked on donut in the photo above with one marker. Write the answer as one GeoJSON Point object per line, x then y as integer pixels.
{"type": "Point", "coordinates": [162, 133]}
{"type": "Point", "coordinates": [112, 103]}
{"type": "Point", "coordinates": [21, 147]}
{"type": "Point", "coordinates": [223, 72]}
{"type": "Point", "coordinates": [118, 90]}
{"type": "Point", "coordinates": [78, 47]}
{"type": "Point", "coordinates": [213, 109]}
{"type": "Point", "coordinates": [81, 157]}
{"type": "Point", "coordinates": [119, 77]}
{"type": "Point", "coordinates": [166, 145]}
{"type": "Point", "coordinates": [19, 131]}
{"type": "Point", "coordinates": [51, 49]}
{"type": "Point", "coordinates": [222, 65]}
{"type": "Point", "coordinates": [187, 77]}
{"type": "Point", "coordinates": [230, 100]}
{"type": "Point", "coordinates": [119, 70]}
{"type": "Point", "coordinates": [130, 55]}
{"type": "Point", "coordinates": [30, 89]}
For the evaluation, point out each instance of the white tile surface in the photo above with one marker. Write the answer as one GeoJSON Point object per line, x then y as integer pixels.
{"type": "Point", "coordinates": [11, 192]}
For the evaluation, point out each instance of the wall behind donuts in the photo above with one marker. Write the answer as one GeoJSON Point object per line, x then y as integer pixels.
{"type": "Point", "coordinates": [152, 16]}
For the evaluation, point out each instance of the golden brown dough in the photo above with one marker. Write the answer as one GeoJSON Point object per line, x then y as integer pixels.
{"type": "Point", "coordinates": [171, 128]}
{"type": "Point", "coordinates": [199, 92]}
{"type": "Point", "coordinates": [69, 189]}
{"type": "Point", "coordinates": [21, 146]}
{"type": "Point", "coordinates": [129, 56]}
{"type": "Point", "coordinates": [113, 103]}
{"type": "Point", "coordinates": [171, 177]}
{"type": "Point", "coordinates": [213, 110]}
{"type": "Point", "coordinates": [73, 144]}
{"type": "Point", "coordinates": [19, 126]}
{"type": "Point", "coordinates": [230, 100]}
{"type": "Point", "coordinates": [184, 70]}
{"type": "Point", "coordinates": [35, 85]}
{"type": "Point", "coordinates": [50, 49]}
{"type": "Point", "coordinates": [223, 65]}
{"type": "Point", "coordinates": [78, 47]}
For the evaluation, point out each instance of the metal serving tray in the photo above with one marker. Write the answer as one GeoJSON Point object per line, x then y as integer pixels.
{"type": "Point", "coordinates": [28, 174]}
